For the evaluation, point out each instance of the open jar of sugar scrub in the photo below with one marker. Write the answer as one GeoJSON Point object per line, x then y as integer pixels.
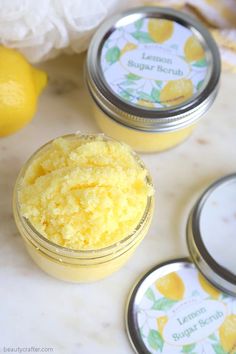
{"type": "Point", "coordinates": [189, 305]}
{"type": "Point", "coordinates": [152, 73]}
{"type": "Point", "coordinates": [82, 204]}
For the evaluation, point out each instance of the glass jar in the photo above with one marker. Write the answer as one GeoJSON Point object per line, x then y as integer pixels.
{"type": "Point", "coordinates": [151, 73]}
{"type": "Point", "coordinates": [76, 265]}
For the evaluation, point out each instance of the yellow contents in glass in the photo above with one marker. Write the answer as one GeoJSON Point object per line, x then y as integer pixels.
{"type": "Point", "coordinates": [83, 203]}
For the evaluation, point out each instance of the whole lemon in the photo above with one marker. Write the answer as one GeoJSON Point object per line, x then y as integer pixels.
{"type": "Point", "coordinates": [20, 86]}
{"type": "Point", "coordinates": [193, 49]}
{"type": "Point", "coordinates": [160, 30]}
{"type": "Point", "coordinates": [208, 288]}
{"type": "Point", "coordinates": [227, 333]}
{"type": "Point", "coordinates": [171, 286]}
{"type": "Point", "coordinates": [176, 92]}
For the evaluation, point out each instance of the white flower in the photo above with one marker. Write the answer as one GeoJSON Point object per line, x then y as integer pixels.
{"type": "Point", "coordinates": [42, 29]}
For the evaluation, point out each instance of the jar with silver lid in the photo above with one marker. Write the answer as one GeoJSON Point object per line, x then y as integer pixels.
{"type": "Point", "coordinates": [152, 73]}
{"type": "Point", "coordinates": [188, 305]}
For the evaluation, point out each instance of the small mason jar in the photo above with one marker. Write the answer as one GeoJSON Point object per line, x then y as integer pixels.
{"type": "Point", "coordinates": [72, 264]}
{"type": "Point", "coordinates": [151, 73]}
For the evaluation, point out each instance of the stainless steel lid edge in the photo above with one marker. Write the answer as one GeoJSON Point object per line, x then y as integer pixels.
{"type": "Point", "coordinates": [130, 320]}
{"type": "Point", "coordinates": [216, 274]}
{"type": "Point", "coordinates": [140, 118]}
{"type": "Point", "coordinates": [155, 125]}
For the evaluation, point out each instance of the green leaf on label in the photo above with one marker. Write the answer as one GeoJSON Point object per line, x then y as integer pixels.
{"type": "Point", "coordinates": [127, 83]}
{"type": "Point", "coordinates": [158, 82]}
{"type": "Point", "coordinates": [126, 95]}
{"type": "Point", "coordinates": [155, 340]}
{"type": "Point", "coordinates": [150, 294]}
{"type": "Point", "coordinates": [142, 37]}
{"type": "Point", "coordinates": [155, 95]}
{"type": "Point", "coordinates": [218, 349]}
{"type": "Point", "coordinates": [188, 348]}
{"type": "Point", "coordinates": [112, 55]}
{"type": "Point", "coordinates": [200, 63]}
{"type": "Point", "coordinates": [199, 84]}
{"type": "Point", "coordinates": [138, 24]}
{"type": "Point", "coordinates": [130, 90]}
{"type": "Point", "coordinates": [131, 76]}
{"type": "Point", "coordinates": [213, 337]}
{"type": "Point", "coordinates": [163, 304]}
{"type": "Point", "coordinates": [144, 96]}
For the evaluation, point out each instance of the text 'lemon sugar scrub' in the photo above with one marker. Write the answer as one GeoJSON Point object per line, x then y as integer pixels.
{"type": "Point", "coordinates": [174, 309]}
{"type": "Point", "coordinates": [82, 204]}
{"type": "Point", "coordinates": [152, 73]}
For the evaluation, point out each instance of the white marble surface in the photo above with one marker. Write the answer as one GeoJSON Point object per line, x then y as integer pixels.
{"type": "Point", "coordinates": [36, 310]}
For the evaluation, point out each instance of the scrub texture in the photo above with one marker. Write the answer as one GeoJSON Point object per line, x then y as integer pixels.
{"type": "Point", "coordinates": [84, 194]}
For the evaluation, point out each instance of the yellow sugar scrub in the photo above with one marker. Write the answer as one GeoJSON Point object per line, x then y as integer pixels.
{"type": "Point", "coordinates": [82, 204]}
{"type": "Point", "coordinates": [152, 73]}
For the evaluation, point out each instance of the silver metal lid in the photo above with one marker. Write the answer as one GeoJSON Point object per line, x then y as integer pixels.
{"type": "Point", "coordinates": [211, 234]}
{"type": "Point", "coordinates": [173, 309]}
{"type": "Point", "coordinates": [154, 110]}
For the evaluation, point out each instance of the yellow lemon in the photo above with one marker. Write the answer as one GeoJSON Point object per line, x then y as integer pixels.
{"type": "Point", "coordinates": [227, 333]}
{"type": "Point", "coordinates": [208, 288]}
{"type": "Point", "coordinates": [171, 286]}
{"type": "Point", "coordinates": [161, 322]}
{"type": "Point", "coordinates": [20, 86]}
{"type": "Point", "coordinates": [160, 30]}
{"type": "Point", "coordinates": [145, 103]}
{"type": "Point", "coordinates": [176, 92]}
{"type": "Point", "coordinates": [193, 49]}
{"type": "Point", "coordinates": [128, 46]}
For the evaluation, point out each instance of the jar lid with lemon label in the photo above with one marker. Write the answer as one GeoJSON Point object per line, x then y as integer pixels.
{"type": "Point", "coordinates": [153, 69]}
{"type": "Point", "coordinates": [189, 305]}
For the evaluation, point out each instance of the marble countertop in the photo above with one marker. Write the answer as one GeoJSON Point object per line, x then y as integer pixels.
{"type": "Point", "coordinates": [37, 310]}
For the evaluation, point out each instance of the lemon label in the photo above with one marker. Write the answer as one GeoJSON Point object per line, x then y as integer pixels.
{"type": "Point", "coordinates": [163, 66]}
{"type": "Point", "coordinates": [182, 313]}
{"type": "Point", "coordinates": [154, 63]}
{"type": "Point", "coordinates": [194, 322]}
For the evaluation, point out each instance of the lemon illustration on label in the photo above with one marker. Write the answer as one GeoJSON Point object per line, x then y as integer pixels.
{"type": "Point", "coordinates": [160, 30]}
{"type": "Point", "coordinates": [208, 288]}
{"type": "Point", "coordinates": [145, 103]}
{"type": "Point", "coordinates": [176, 92]}
{"type": "Point", "coordinates": [20, 86]}
{"type": "Point", "coordinates": [161, 322]}
{"type": "Point", "coordinates": [171, 286]}
{"type": "Point", "coordinates": [128, 47]}
{"type": "Point", "coordinates": [193, 49]}
{"type": "Point", "coordinates": [227, 333]}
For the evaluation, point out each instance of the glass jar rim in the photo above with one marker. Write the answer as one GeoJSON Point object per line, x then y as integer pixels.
{"type": "Point", "coordinates": [70, 252]}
